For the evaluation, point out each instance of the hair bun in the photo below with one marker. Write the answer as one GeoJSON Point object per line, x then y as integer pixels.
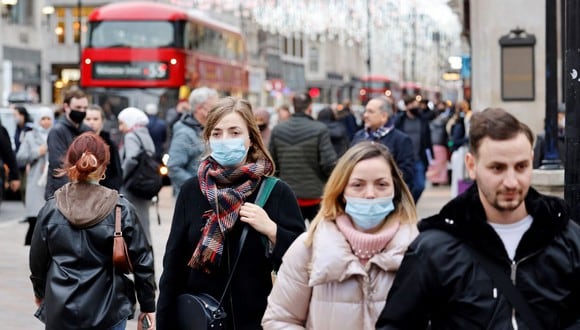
{"type": "Point", "coordinates": [87, 163]}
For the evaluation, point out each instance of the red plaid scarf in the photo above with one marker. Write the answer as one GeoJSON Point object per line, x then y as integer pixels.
{"type": "Point", "coordinates": [226, 190]}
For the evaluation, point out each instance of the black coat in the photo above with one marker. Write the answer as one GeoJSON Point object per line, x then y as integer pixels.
{"type": "Point", "coordinates": [440, 281]}
{"type": "Point", "coordinates": [425, 138]}
{"type": "Point", "coordinates": [59, 139]}
{"type": "Point", "coordinates": [251, 283]}
{"type": "Point", "coordinates": [114, 173]}
{"type": "Point", "coordinates": [7, 156]}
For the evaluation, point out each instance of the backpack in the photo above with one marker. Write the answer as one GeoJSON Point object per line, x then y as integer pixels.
{"type": "Point", "coordinates": [144, 181]}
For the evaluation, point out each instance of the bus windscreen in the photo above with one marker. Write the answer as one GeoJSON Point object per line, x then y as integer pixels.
{"type": "Point", "coordinates": [132, 34]}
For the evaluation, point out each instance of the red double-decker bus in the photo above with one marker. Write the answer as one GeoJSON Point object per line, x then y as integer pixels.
{"type": "Point", "coordinates": [411, 89]}
{"type": "Point", "coordinates": [148, 52]}
{"type": "Point", "coordinates": [373, 86]}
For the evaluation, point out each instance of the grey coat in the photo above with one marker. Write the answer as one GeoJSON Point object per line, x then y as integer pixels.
{"type": "Point", "coordinates": [28, 154]}
{"type": "Point", "coordinates": [129, 150]}
{"type": "Point", "coordinates": [185, 151]}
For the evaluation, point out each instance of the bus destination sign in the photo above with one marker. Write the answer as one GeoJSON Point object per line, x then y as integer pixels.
{"type": "Point", "coordinates": [130, 70]}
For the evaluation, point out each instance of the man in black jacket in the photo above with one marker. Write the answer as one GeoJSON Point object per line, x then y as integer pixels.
{"type": "Point", "coordinates": [414, 123]}
{"type": "Point", "coordinates": [528, 237]}
{"type": "Point", "coordinates": [62, 134]}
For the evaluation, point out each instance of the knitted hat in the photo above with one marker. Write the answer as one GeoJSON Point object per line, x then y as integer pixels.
{"type": "Point", "coordinates": [133, 117]}
{"type": "Point", "coordinates": [151, 109]}
{"type": "Point", "coordinates": [44, 112]}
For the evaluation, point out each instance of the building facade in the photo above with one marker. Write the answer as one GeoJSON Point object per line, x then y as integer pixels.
{"type": "Point", "coordinates": [40, 55]}
{"type": "Point", "coordinates": [490, 20]}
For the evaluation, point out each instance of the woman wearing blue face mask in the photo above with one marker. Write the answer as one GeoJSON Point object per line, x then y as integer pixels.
{"type": "Point", "coordinates": [335, 275]}
{"type": "Point", "coordinates": [210, 213]}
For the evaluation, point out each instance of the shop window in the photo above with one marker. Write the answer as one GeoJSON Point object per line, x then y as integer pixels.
{"type": "Point", "coordinates": [298, 47]}
{"type": "Point", "coordinates": [313, 59]}
{"type": "Point", "coordinates": [59, 31]}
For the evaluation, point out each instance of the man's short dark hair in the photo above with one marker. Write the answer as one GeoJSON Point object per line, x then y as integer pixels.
{"type": "Point", "coordinates": [408, 99]}
{"type": "Point", "coordinates": [74, 94]}
{"type": "Point", "coordinates": [497, 124]}
{"type": "Point", "coordinates": [301, 102]}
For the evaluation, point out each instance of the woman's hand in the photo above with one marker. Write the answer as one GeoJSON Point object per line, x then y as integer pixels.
{"type": "Point", "coordinates": [256, 217]}
{"type": "Point", "coordinates": [42, 149]}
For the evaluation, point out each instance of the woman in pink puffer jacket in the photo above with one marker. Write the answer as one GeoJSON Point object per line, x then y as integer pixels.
{"type": "Point", "coordinates": [338, 274]}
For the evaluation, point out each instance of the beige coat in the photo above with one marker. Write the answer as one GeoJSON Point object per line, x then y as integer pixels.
{"type": "Point", "coordinates": [326, 287]}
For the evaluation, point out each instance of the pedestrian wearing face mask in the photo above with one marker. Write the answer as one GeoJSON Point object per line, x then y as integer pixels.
{"type": "Point", "coordinates": [263, 121]}
{"type": "Point", "coordinates": [211, 211]}
{"type": "Point", "coordinates": [335, 275]}
{"type": "Point", "coordinates": [69, 126]}
{"type": "Point", "coordinates": [415, 124]}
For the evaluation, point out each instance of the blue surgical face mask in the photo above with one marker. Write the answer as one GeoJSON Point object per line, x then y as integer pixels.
{"type": "Point", "coordinates": [369, 213]}
{"type": "Point", "coordinates": [228, 152]}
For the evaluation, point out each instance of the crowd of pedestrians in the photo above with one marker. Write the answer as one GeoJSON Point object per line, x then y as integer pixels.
{"type": "Point", "coordinates": [496, 256]}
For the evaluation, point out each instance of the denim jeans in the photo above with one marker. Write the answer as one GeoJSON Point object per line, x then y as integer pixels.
{"type": "Point", "coordinates": [418, 180]}
{"type": "Point", "coordinates": [120, 326]}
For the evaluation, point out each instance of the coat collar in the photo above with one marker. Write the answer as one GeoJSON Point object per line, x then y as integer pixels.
{"type": "Point", "coordinates": [464, 218]}
{"type": "Point", "coordinates": [333, 259]}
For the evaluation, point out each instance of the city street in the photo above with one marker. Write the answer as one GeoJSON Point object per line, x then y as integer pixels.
{"type": "Point", "coordinates": [17, 303]}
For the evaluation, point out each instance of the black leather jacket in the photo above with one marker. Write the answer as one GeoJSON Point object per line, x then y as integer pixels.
{"type": "Point", "coordinates": [71, 260]}
{"type": "Point", "coordinates": [439, 280]}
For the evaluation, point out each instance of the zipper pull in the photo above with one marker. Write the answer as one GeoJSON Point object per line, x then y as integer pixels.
{"type": "Point", "coordinates": [514, 267]}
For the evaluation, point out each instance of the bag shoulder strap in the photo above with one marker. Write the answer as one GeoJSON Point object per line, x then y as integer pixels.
{"type": "Point", "coordinates": [266, 187]}
{"type": "Point", "coordinates": [141, 145]}
{"type": "Point", "coordinates": [118, 230]}
{"type": "Point", "coordinates": [507, 287]}
{"type": "Point", "coordinates": [263, 194]}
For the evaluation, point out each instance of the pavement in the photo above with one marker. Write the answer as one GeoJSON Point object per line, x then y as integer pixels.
{"type": "Point", "coordinates": [16, 298]}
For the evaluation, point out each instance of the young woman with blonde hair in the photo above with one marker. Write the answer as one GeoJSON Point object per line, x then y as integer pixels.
{"type": "Point", "coordinates": [337, 275]}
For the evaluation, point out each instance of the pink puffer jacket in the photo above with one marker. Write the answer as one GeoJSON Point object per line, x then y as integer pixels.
{"type": "Point", "coordinates": [326, 286]}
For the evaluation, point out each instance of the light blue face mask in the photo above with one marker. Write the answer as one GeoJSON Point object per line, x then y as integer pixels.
{"type": "Point", "coordinates": [228, 152]}
{"type": "Point", "coordinates": [369, 213]}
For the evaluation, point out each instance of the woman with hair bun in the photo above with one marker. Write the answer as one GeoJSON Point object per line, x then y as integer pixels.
{"type": "Point", "coordinates": [76, 285]}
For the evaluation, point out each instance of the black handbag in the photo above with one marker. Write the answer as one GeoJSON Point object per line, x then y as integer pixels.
{"type": "Point", "coordinates": [202, 311]}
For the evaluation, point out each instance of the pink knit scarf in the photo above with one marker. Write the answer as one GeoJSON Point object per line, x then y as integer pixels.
{"type": "Point", "coordinates": [366, 245]}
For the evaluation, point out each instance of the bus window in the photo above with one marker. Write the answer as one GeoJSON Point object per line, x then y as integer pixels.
{"type": "Point", "coordinates": [132, 34]}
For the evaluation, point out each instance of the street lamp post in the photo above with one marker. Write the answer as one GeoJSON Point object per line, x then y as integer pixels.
{"type": "Point", "coordinates": [369, 67]}
{"type": "Point", "coordinates": [572, 60]}
{"type": "Point", "coordinates": [79, 20]}
{"type": "Point", "coordinates": [551, 153]}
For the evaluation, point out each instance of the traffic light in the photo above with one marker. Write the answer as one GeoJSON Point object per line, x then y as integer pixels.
{"type": "Point", "coordinates": [314, 92]}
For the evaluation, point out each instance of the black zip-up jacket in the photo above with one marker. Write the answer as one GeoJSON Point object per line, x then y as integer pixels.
{"type": "Point", "coordinates": [425, 137]}
{"type": "Point", "coordinates": [59, 139]}
{"type": "Point", "coordinates": [439, 280]}
{"type": "Point", "coordinates": [71, 262]}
